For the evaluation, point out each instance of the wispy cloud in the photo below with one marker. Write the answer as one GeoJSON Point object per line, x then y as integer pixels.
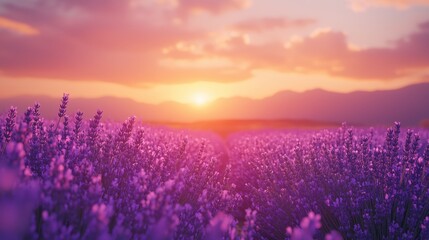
{"type": "Point", "coordinates": [329, 52]}
{"type": "Point", "coordinates": [211, 6]}
{"type": "Point", "coordinates": [17, 27]}
{"type": "Point", "coordinates": [269, 23]}
{"type": "Point", "coordinates": [360, 5]}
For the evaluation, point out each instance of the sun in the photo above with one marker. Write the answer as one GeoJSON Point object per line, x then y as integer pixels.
{"type": "Point", "coordinates": [200, 99]}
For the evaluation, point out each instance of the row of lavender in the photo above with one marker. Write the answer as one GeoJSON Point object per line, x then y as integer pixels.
{"type": "Point", "coordinates": [77, 179]}
{"type": "Point", "coordinates": [365, 183]}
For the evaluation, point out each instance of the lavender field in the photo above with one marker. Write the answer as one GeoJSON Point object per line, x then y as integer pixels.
{"type": "Point", "coordinates": [73, 178]}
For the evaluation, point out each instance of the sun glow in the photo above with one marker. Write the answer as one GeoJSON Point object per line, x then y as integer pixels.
{"type": "Point", "coordinates": [200, 99]}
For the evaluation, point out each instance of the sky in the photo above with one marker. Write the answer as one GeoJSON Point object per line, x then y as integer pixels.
{"type": "Point", "coordinates": [195, 51]}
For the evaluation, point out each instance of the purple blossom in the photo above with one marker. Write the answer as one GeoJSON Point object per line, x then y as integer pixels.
{"type": "Point", "coordinates": [10, 124]}
{"type": "Point", "coordinates": [63, 106]}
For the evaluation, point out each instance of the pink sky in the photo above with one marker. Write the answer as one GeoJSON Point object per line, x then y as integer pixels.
{"type": "Point", "coordinates": [179, 50]}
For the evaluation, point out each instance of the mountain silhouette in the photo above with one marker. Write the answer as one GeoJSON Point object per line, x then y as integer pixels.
{"type": "Point", "coordinates": [408, 105]}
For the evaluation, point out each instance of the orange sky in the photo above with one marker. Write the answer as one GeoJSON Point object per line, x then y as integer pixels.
{"type": "Point", "coordinates": [200, 50]}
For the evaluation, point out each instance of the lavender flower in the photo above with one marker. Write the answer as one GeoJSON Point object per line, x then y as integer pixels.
{"type": "Point", "coordinates": [28, 117]}
{"type": "Point", "coordinates": [10, 124]}
{"type": "Point", "coordinates": [63, 106]}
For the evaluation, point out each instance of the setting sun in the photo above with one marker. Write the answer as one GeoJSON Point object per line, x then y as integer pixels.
{"type": "Point", "coordinates": [200, 99]}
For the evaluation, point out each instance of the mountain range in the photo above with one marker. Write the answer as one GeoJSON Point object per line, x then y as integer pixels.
{"type": "Point", "coordinates": [409, 105]}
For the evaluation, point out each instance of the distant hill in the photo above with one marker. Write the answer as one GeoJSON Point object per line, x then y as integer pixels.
{"type": "Point", "coordinates": [408, 105]}
{"type": "Point", "coordinates": [226, 127]}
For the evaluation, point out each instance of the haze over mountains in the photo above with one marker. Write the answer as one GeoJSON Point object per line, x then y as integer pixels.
{"type": "Point", "coordinates": [378, 107]}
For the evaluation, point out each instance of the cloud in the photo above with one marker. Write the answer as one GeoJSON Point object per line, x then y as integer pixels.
{"type": "Point", "coordinates": [328, 52]}
{"type": "Point", "coordinates": [360, 5]}
{"type": "Point", "coordinates": [269, 23]}
{"type": "Point", "coordinates": [102, 40]}
{"type": "Point", "coordinates": [211, 6]}
{"type": "Point", "coordinates": [17, 27]}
